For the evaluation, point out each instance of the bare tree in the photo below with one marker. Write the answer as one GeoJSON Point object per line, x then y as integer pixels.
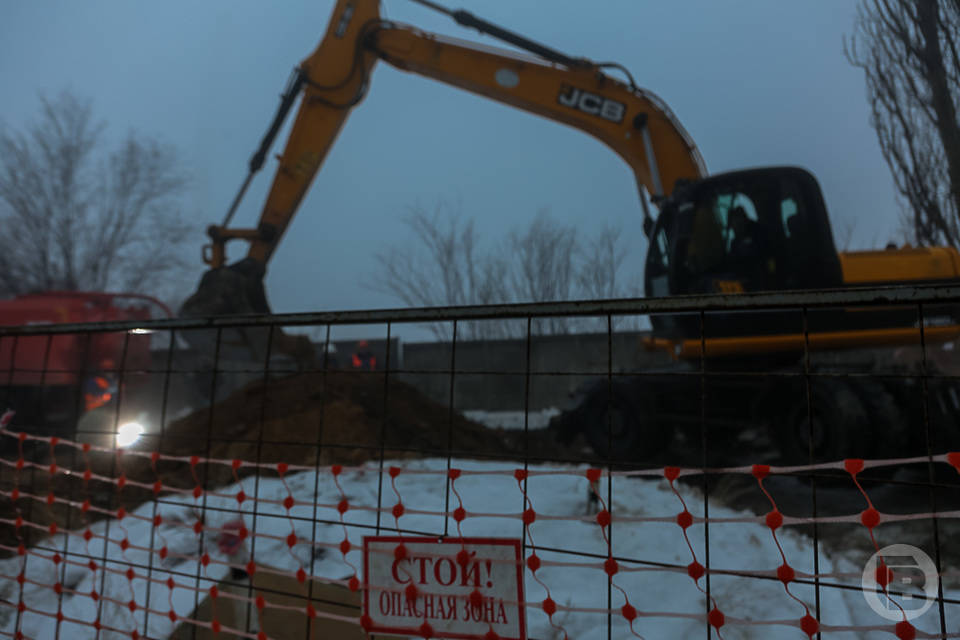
{"type": "Point", "coordinates": [80, 219]}
{"type": "Point", "coordinates": [453, 270]}
{"type": "Point", "coordinates": [843, 232]}
{"type": "Point", "coordinates": [543, 261]}
{"type": "Point", "coordinates": [542, 257]}
{"type": "Point", "coordinates": [598, 277]}
{"type": "Point", "coordinates": [908, 50]}
{"type": "Point", "coordinates": [601, 261]}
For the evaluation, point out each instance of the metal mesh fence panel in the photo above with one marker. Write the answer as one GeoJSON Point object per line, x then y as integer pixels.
{"type": "Point", "coordinates": [278, 477]}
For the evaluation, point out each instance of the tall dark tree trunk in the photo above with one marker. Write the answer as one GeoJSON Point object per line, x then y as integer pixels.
{"type": "Point", "coordinates": [908, 50]}
{"type": "Point", "coordinates": [940, 99]}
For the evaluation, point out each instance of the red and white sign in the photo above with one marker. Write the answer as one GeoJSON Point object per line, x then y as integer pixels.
{"type": "Point", "coordinates": [459, 587]}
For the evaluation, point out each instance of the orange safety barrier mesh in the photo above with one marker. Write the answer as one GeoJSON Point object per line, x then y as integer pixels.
{"type": "Point", "coordinates": [151, 564]}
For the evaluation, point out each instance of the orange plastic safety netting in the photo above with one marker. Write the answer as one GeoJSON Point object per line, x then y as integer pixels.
{"type": "Point", "coordinates": [604, 553]}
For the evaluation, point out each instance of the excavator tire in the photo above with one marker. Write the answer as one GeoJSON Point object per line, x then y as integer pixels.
{"type": "Point", "coordinates": [944, 398]}
{"type": "Point", "coordinates": [939, 422]}
{"type": "Point", "coordinates": [839, 426]}
{"type": "Point", "coordinates": [621, 424]}
{"type": "Point", "coordinates": [893, 428]}
{"type": "Point", "coordinates": [900, 425]}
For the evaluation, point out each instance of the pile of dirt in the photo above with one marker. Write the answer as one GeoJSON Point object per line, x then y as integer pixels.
{"type": "Point", "coordinates": [342, 417]}
{"type": "Point", "coordinates": [317, 418]}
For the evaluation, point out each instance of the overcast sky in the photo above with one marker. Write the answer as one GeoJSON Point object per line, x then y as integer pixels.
{"type": "Point", "coordinates": [755, 82]}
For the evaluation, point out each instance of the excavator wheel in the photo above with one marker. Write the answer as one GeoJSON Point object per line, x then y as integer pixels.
{"type": "Point", "coordinates": [944, 398]}
{"type": "Point", "coordinates": [899, 423]}
{"type": "Point", "coordinates": [895, 429]}
{"type": "Point", "coordinates": [838, 427]}
{"type": "Point", "coordinates": [943, 426]}
{"type": "Point", "coordinates": [892, 428]}
{"type": "Point", "coordinates": [621, 425]}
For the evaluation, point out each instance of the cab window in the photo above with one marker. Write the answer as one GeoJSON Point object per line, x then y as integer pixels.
{"type": "Point", "coordinates": [788, 216]}
{"type": "Point", "coordinates": [726, 228]}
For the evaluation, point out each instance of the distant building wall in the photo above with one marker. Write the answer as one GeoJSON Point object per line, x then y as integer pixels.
{"type": "Point", "coordinates": [492, 375]}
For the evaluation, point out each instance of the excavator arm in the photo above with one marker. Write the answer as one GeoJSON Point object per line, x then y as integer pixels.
{"type": "Point", "coordinates": [633, 122]}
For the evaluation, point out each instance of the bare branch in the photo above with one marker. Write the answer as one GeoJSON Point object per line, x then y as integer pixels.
{"type": "Point", "coordinates": [543, 261]}
{"type": "Point", "coordinates": [83, 221]}
{"type": "Point", "coordinates": [909, 54]}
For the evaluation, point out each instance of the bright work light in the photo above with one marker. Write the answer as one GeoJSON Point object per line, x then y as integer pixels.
{"type": "Point", "coordinates": [128, 433]}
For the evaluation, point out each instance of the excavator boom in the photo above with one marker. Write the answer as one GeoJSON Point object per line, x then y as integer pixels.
{"type": "Point", "coordinates": [633, 122]}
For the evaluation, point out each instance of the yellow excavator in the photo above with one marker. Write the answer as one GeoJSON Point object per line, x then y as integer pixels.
{"type": "Point", "coordinates": [751, 230]}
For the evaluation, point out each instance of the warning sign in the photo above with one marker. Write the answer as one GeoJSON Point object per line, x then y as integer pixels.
{"type": "Point", "coordinates": [453, 587]}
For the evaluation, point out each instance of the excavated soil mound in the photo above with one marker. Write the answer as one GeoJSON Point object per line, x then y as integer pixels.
{"type": "Point", "coordinates": [341, 417]}
{"type": "Point", "coordinates": [307, 419]}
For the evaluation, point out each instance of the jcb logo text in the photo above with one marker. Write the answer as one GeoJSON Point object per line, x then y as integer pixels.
{"type": "Point", "coordinates": [591, 103]}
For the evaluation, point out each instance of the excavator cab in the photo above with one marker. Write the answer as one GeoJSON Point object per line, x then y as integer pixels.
{"type": "Point", "coordinates": [752, 230]}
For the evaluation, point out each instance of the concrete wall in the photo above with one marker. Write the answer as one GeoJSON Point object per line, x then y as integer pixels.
{"type": "Point", "coordinates": [491, 375]}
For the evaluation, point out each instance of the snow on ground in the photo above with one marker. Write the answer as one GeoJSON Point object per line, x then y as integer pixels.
{"type": "Point", "coordinates": [735, 546]}
{"type": "Point", "coordinates": [512, 420]}
{"type": "Point", "coordinates": [79, 580]}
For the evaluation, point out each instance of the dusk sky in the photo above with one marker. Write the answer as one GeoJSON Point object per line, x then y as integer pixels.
{"type": "Point", "coordinates": [754, 82]}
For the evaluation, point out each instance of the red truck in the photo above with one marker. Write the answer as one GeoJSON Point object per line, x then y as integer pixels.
{"type": "Point", "coordinates": [52, 380]}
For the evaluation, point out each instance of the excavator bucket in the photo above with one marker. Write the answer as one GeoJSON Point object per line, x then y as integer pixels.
{"type": "Point", "coordinates": [242, 352]}
{"type": "Point", "coordinates": [236, 289]}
